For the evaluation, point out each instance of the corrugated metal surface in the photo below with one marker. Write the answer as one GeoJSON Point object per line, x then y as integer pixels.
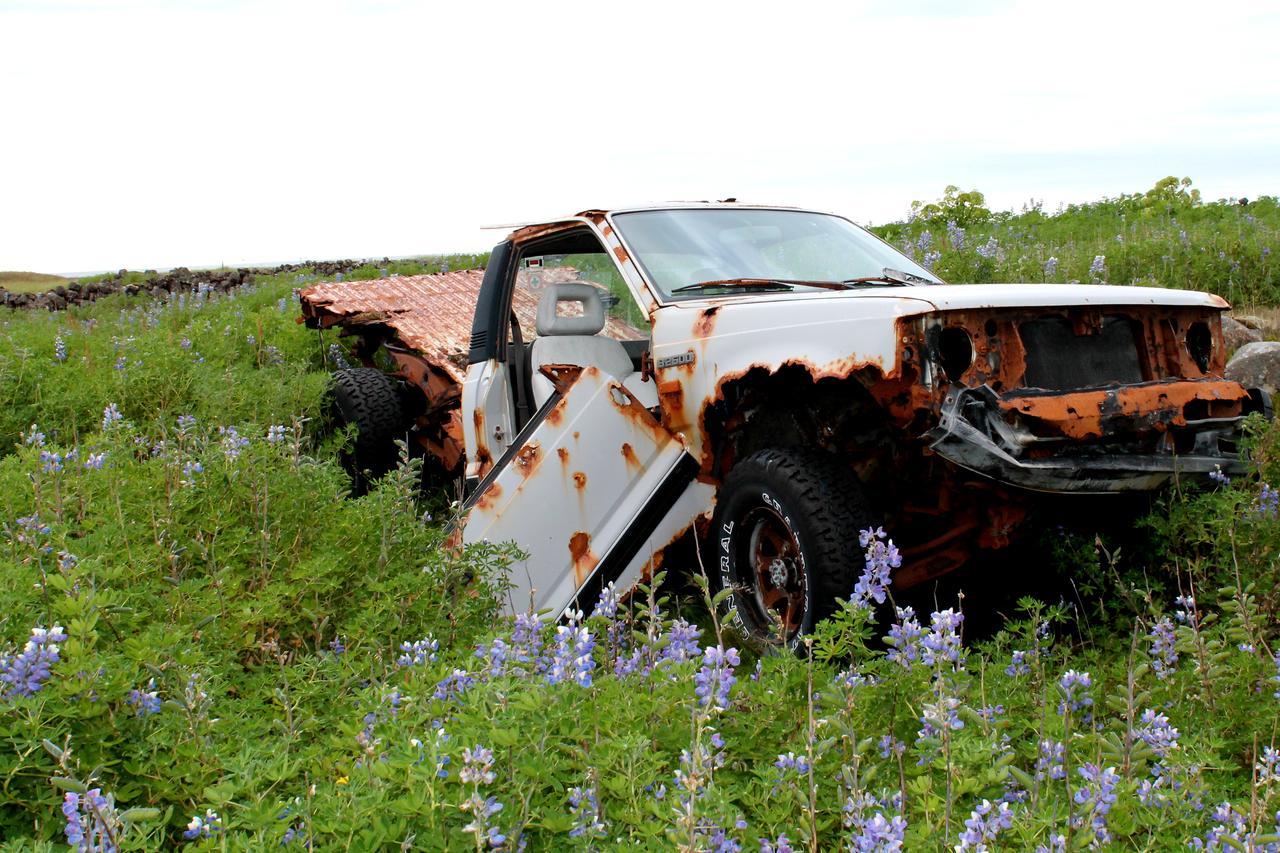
{"type": "Point", "coordinates": [429, 313]}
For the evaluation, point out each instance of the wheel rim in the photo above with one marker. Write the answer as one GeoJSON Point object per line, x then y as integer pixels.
{"type": "Point", "coordinates": [774, 565]}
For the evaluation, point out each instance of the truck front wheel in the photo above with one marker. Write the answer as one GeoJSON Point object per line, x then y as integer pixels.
{"type": "Point", "coordinates": [785, 539]}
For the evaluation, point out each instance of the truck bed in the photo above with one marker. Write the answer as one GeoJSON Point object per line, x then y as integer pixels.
{"type": "Point", "coordinates": [430, 315]}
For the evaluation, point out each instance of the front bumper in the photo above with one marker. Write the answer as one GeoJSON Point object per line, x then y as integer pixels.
{"type": "Point", "coordinates": [1127, 439]}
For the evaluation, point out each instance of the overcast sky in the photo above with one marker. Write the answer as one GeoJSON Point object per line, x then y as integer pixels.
{"type": "Point", "coordinates": [152, 134]}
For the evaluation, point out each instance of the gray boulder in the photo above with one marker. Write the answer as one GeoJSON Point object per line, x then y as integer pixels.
{"type": "Point", "coordinates": [1236, 334]}
{"type": "Point", "coordinates": [1257, 365]}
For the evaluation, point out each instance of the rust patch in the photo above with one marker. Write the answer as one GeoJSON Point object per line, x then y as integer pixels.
{"type": "Point", "coordinates": [621, 254]}
{"type": "Point", "coordinates": [527, 458]}
{"type": "Point", "coordinates": [579, 480]}
{"type": "Point", "coordinates": [556, 415]}
{"type": "Point", "coordinates": [563, 453]}
{"type": "Point", "coordinates": [706, 322]}
{"type": "Point", "coordinates": [629, 454]}
{"type": "Point", "coordinates": [1158, 406]}
{"type": "Point", "coordinates": [580, 553]}
{"type": "Point", "coordinates": [490, 497]}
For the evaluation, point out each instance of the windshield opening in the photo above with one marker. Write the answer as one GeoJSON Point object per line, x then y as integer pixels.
{"type": "Point", "coordinates": [683, 247]}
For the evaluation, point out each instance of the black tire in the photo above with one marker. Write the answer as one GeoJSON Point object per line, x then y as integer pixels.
{"type": "Point", "coordinates": [368, 399]}
{"type": "Point", "coordinates": [801, 511]}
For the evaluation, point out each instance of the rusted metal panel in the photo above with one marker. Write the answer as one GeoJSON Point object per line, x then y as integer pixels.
{"type": "Point", "coordinates": [570, 492]}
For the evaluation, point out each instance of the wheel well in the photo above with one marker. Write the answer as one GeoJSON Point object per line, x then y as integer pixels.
{"type": "Point", "coordinates": [789, 408]}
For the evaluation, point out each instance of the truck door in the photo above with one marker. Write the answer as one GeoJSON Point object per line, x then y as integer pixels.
{"type": "Point", "coordinates": [580, 490]}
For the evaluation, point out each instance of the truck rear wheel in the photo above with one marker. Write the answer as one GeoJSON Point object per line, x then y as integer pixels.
{"type": "Point", "coordinates": [785, 536]}
{"type": "Point", "coordinates": [367, 398]}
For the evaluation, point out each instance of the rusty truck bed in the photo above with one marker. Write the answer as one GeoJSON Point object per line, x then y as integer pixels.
{"type": "Point", "coordinates": [424, 323]}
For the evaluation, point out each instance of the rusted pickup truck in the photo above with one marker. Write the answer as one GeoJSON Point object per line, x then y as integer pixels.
{"type": "Point", "coordinates": [766, 382]}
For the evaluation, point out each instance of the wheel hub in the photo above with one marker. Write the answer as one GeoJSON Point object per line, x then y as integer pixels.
{"type": "Point", "coordinates": [773, 552]}
{"type": "Point", "coordinates": [779, 572]}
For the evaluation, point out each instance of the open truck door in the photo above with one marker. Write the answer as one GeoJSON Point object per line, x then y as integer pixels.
{"type": "Point", "coordinates": [581, 491]}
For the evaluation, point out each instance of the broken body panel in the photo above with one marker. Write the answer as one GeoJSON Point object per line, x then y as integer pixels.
{"type": "Point", "coordinates": [950, 402]}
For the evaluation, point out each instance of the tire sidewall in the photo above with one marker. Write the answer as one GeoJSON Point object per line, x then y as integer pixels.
{"type": "Point", "coordinates": [739, 498]}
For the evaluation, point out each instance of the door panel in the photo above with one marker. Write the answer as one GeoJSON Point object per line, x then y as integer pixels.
{"type": "Point", "coordinates": [574, 489]}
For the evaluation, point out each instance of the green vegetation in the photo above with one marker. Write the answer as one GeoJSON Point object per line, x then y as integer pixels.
{"type": "Point", "coordinates": [1166, 237]}
{"type": "Point", "coordinates": [30, 282]}
{"type": "Point", "coordinates": [247, 645]}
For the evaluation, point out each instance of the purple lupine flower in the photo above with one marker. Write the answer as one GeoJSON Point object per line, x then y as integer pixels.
{"type": "Point", "coordinates": [571, 655]}
{"type": "Point", "coordinates": [477, 766]}
{"type": "Point", "coordinates": [33, 437]}
{"type": "Point", "coordinates": [146, 701]}
{"type": "Point", "coordinates": [1072, 684]}
{"type": "Point", "coordinates": [1268, 503]}
{"type": "Point", "coordinates": [275, 433]}
{"type": "Point", "coordinates": [1276, 677]}
{"type": "Point", "coordinates": [203, 826]}
{"type": "Point", "coordinates": [782, 844]}
{"type": "Point", "coordinates": [232, 442]}
{"type": "Point", "coordinates": [111, 416]}
{"type": "Point", "coordinates": [955, 236]}
{"type": "Point", "coordinates": [338, 645]}
{"type": "Point", "coordinates": [50, 462]}
{"type": "Point", "coordinates": [940, 716]}
{"type": "Point", "coordinates": [1157, 733]}
{"type": "Point", "coordinates": [1019, 664]}
{"type": "Point", "coordinates": [1051, 267]}
{"type": "Point", "coordinates": [682, 642]}
{"type": "Point", "coordinates": [189, 472]}
{"type": "Point", "coordinates": [890, 745]}
{"type": "Point", "coordinates": [494, 654]}
{"type": "Point", "coordinates": [25, 673]}
{"type": "Point", "coordinates": [418, 652]}
{"type": "Point", "coordinates": [588, 820]}
{"type": "Point", "coordinates": [1186, 613]}
{"type": "Point", "coordinates": [924, 241]}
{"type": "Point", "coordinates": [880, 557]}
{"type": "Point", "coordinates": [526, 639]}
{"type": "Point", "coordinates": [931, 259]}
{"type": "Point", "coordinates": [792, 763]}
{"type": "Point", "coordinates": [482, 809]}
{"type": "Point", "coordinates": [713, 682]}
{"type": "Point", "coordinates": [1164, 654]}
{"type": "Point", "coordinates": [95, 461]}
{"type": "Point", "coordinates": [1095, 798]}
{"type": "Point", "coordinates": [92, 822]}
{"type": "Point", "coordinates": [1098, 269]}
{"type": "Point", "coordinates": [455, 684]}
{"type": "Point", "coordinates": [1051, 759]}
{"type": "Point", "coordinates": [1267, 767]}
{"type": "Point", "coordinates": [904, 636]}
{"type": "Point", "coordinates": [59, 349]}
{"type": "Point", "coordinates": [1218, 477]}
{"type": "Point", "coordinates": [942, 643]}
{"type": "Point", "coordinates": [185, 343]}
{"type": "Point", "coordinates": [1230, 832]}
{"type": "Point", "coordinates": [879, 834]}
{"type": "Point", "coordinates": [990, 249]}
{"type": "Point", "coordinates": [338, 357]}
{"type": "Point", "coordinates": [984, 824]}
{"type": "Point", "coordinates": [121, 362]}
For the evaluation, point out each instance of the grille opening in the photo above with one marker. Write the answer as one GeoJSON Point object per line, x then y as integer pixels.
{"type": "Point", "coordinates": [1060, 360]}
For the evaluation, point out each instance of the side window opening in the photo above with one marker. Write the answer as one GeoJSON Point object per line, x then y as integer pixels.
{"type": "Point", "coordinates": [572, 309]}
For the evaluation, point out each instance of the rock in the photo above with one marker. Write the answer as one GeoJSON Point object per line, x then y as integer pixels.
{"type": "Point", "coordinates": [1257, 365]}
{"type": "Point", "coordinates": [1236, 334]}
{"type": "Point", "coordinates": [1249, 320]}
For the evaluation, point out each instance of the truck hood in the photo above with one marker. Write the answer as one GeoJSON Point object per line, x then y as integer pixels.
{"type": "Point", "coordinates": [948, 297]}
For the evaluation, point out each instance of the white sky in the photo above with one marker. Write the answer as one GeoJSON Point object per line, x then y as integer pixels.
{"type": "Point", "coordinates": [151, 134]}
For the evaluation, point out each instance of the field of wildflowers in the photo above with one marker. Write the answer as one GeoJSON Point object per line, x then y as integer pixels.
{"type": "Point", "coordinates": [205, 641]}
{"type": "Point", "coordinates": [1166, 236]}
